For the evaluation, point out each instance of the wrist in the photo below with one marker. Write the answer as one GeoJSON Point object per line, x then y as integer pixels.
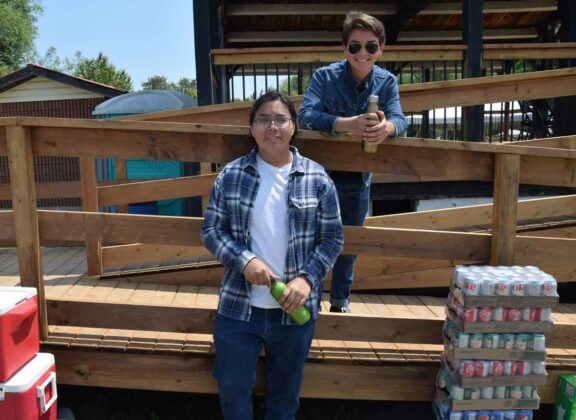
{"type": "Point", "coordinates": [307, 280]}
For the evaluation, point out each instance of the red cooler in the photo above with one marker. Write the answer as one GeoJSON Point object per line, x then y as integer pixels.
{"type": "Point", "coordinates": [18, 329]}
{"type": "Point", "coordinates": [31, 393]}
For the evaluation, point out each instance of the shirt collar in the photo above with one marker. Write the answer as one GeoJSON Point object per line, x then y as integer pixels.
{"type": "Point", "coordinates": [352, 82]}
{"type": "Point", "coordinates": [297, 163]}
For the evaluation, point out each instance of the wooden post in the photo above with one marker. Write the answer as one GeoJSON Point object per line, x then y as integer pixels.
{"type": "Point", "coordinates": [89, 187]}
{"type": "Point", "coordinates": [205, 168]}
{"type": "Point", "coordinates": [505, 209]}
{"type": "Point", "coordinates": [19, 144]}
{"type": "Point", "coordinates": [121, 175]}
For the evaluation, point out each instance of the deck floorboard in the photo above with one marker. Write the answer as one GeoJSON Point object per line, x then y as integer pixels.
{"type": "Point", "coordinates": [65, 278]}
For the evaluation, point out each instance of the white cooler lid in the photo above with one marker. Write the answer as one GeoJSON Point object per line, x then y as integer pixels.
{"type": "Point", "coordinates": [10, 297]}
{"type": "Point", "coordinates": [28, 375]}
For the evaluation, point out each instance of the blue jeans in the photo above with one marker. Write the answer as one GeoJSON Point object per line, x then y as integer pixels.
{"type": "Point", "coordinates": [354, 199]}
{"type": "Point", "coordinates": [238, 345]}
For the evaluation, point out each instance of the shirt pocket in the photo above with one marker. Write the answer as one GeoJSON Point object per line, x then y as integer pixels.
{"type": "Point", "coordinates": [304, 210]}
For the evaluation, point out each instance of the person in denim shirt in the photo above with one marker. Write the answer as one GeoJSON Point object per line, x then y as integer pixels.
{"type": "Point", "coordinates": [272, 214]}
{"type": "Point", "coordinates": [336, 102]}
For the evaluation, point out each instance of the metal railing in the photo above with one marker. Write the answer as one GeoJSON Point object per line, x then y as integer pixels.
{"type": "Point", "coordinates": [250, 73]}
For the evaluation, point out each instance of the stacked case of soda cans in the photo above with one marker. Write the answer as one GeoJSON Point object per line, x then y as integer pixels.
{"type": "Point", "coordinates": [27, 377]}
{"type": "Point", "coordinates": [494, 343]}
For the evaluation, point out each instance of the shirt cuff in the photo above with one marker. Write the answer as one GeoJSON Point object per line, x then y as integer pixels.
{"type": "Point", "coordinates": [243, 260]}
{"type": "Point", "coordinates": [308, 279]}
{"type": "Point", "coordinates": [333, 130]}
{"type": "Point", "coordinates": [395, 130]}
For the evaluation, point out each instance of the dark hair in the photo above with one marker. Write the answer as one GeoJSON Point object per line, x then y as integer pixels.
{"type": "Point", "coordinates": [359, 20]}
{"type": "Point", "coordinates": [276, 96]}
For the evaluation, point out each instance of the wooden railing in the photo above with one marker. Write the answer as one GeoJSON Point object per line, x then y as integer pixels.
{"type": "Point", "coordinates": [417, 97]}
{"type": "Point", "coordinates": [506, 166]}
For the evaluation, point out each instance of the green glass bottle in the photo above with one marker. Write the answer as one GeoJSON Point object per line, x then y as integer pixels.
{"type": "Point", "coordinates": [299, 315]}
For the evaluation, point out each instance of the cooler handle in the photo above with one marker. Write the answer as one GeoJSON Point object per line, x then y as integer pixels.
{"type": "Point", "coordinates": [41, 392]}
{"type": "Point", "coordinates": [24, 313]}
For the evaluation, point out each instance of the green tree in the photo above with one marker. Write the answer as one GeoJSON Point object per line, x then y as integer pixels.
{"type": "Point", "coordinates": [294, 82]}
{"type": "Point", "coordinates": [187, 87]}
{"type": "Point", "coordinates": [156, 82]}
{"type": "Point", "coordinates": [184, 85]}
{"type": "Point", "coordinates": [100, 70]}
{"type": "Point", "coordinates": [17, 32]}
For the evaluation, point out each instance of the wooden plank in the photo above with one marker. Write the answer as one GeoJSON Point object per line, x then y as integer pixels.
{"type": "Point", "coordinates": [332, 350]}
{"type": "Point", "coordinates": [177, 373]}
{"type": "Point", "coordinates": [558, 258]}
{"type": "Point", "coordinates": [507, 174]}
{"type": "Point", "coordinates": [485, 90]}
{"type": "Point", "coordinates": [70, 311]}
{"type": "Point", "coordinates": [326, 54]}
{"type": "Point", "coordinates": [91, 337]}
{"type": "Point", "coordinates": [404, 36]}
{"type": "Point", "coordinates": [538, 171]}
{"type": "Point", "coordinates": [415, 243]}
{"type": "Point", "coordinates": [61, 277]}
{"type": "Point", "coordinates": [392, 157]}
{"type": "Point", "coordinates": [413, 351]}
{"type": "Point", "coordinates": [308, 9]}
{"type": "Point", "coordinates": [518, 6]}
{"type": "Point", "coordinates": [547, 50]}
{"type": "Point", "coordinates": [20, 160]}
{"type": "Point", "coordinates": [186, 296]}
{"type": "Point", "coordinates": [149, 293]}
{"type": "Point", "coordinates": [118, 338]}
{"type": "Point", "coordinates": [135, 192]}
{"type": "Point", "coordinates": [120, 228]}
{"type": "Point", "coordinates": [360, 351]}
{"type": "Point", "coordinates": [7, 225]}
{"type": "Point", "coordinates": [482, 214]}
{"type": "Point", "coordinates": [90, 203]}
{"type": "Point", "coordinates": [563, 142]}
{"type": "Point", "coordinates": [63, 189]}
{"type": "Point", "coordinates": [56, 265]}
{"type": "Point", "coordinates": [379, 9]}
{"type": "Point", "coordinates": [121, 172]}
{"type": "Point", "coordinates": [153, 140]}
{"type": "Point", "coordinates": [134, 253]}
{"type": "Point", "coordinates": [360, 240]}
{"type": "Point", "coordinates": [186, 231]}
{"type": "Point", "coordinates": [211, 277]}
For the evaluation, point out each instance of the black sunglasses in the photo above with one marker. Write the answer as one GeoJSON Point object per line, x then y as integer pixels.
{"type": "Point", "coordinates": [371, 47]}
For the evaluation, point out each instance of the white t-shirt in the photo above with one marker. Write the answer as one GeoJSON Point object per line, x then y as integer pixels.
{"type": "Point", "coordinates": [269, 226]}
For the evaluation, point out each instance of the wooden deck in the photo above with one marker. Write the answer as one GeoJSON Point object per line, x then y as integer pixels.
{"type": "Point", "coordinates": [183, 361]}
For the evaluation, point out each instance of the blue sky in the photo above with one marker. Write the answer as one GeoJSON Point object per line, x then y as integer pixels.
{"type": "Point", "coordinates": [143, 37]}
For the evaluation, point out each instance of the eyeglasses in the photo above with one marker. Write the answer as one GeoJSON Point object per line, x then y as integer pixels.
{"type": "Point", "coordinates": [370, 47]}
{"type": "Point", "coordinates": [265, 122]}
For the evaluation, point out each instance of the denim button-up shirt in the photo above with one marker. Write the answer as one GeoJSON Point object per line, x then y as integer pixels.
{"type": "Point", "coordinates": [333, 93]}
{"type": "Point", "coordinates": [314, 229]}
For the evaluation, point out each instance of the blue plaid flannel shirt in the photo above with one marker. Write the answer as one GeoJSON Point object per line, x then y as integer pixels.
{"type": "Point", "coordinates": [315, 230]}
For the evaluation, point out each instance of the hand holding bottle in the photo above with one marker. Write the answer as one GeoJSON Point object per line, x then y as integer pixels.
{"type": "Point", "coordinates": [292, 297]}
{"type": "Point", "coordinates": [258, 273]}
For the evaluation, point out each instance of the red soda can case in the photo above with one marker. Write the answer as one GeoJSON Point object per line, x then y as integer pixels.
{"type": "Point", "coordinates": [485, 314]}
{"type": "Point", "coordinates": [514, 314]}
{"type": "Point", "coordinates": [18, 328]}
{"type": "Point", "coordinates": [31, 393]}
{"type": "Point", "coordinates": [469, 314]}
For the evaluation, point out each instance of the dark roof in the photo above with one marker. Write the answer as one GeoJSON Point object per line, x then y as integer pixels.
{"type": "Point", "coordinates": [33, 70]}
{"type": "Point", "coordinates": [253, 23]}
